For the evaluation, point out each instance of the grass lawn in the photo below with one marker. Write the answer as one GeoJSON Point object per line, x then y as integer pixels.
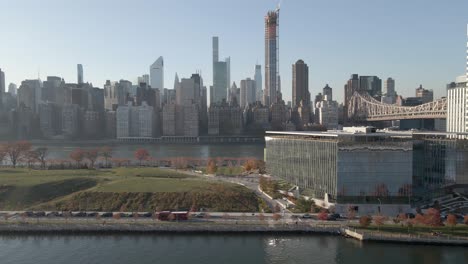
{"type": "Point", "coordinates": [154, 185]}
{"type": "Point", "coordinates": [23, 189]}
{"type": "Point", "coordinates": [228, 171]}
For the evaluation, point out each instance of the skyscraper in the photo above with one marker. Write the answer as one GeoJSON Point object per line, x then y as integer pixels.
{"type": "Point", "coordinates": [389, 87]}
{"type": "Point", "coordinates": [350, 87]}
{"type": "Point", "coordinates": [157, 74]}
{"type": "Point", "coordinates": [371, 84]}
{"type": "Point", "coordinates": [2, 86]}
{"type": "Point", "coordinates": [247, 92]}
{"type": "Point", "coordinates": [300, 84]}
{"type": "Point", "coordinates": [12, 89]}
{"type": "Point", "coordinates": [271, 57]}
{"type": "Point", "coordinates": [258, 83]}
{"type": "Point", "coordinates": [328, 93]}
{"type": "Point", "coordinates": [80, 73]}
{"type": "Point", "coordinates": [221, 75]}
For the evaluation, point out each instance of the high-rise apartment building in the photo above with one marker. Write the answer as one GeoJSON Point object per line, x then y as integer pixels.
{"type": "Point", "coordinates": [221, 75]}
{"type": "Point", "coordinates": [157, 74]}
{"type": "Point", "coordinates": [300, 84]}
{"type": "Point", "coordinates": [12, 89]}
{"type": "Point", "coordinates": [327, 93]}
{"type": "Point", "coordinates": [2, 86]}
{"type": "Point", "coordinates": [135, 121]}
{"type": "Point", "coordinates": [388, 93]}
{"type": "Point", "coordinates": [258, 83]}
{"type": "Point", "coordinates": [30, 94]}
{"type": "Point", "coordinates": [350, 87]}
{"type": "Point", "coordinates": [80, 73]}
{"type": "Point", "coordinates": [247, 92]}
{"type": "Point", "coordinates": [371, 84]}
{"type": "Point", "coordinates": [457, 105]}
{"type": "Point", "coordinates": [271, 91]}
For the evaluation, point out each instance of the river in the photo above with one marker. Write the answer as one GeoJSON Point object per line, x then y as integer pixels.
{"type": "Point", "coordinates": [164, 150]}
{"type": "Point", "coordinates": [219, 249]}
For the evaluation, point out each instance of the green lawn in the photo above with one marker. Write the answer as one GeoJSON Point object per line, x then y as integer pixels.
{"type": "Point", "coordinates": [227, 171]}
{"type": "Point", "coordinates": [22, 189]}
{"type": "Point", "coordinates": [154, 185]}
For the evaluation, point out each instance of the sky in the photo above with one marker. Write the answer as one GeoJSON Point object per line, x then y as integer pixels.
{"type": "Point", "coordinates": [413, 41]}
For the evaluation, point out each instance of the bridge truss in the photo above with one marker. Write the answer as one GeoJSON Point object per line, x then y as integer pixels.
{"type": "Point", "coordinates": [363, 107]}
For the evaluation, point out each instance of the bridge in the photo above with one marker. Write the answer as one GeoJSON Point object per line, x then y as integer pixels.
{"type": "Point", "coordinates": [363, 107]}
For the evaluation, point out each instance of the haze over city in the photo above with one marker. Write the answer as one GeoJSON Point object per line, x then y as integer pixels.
{"type": "Point", "coordinates": [416, 42]}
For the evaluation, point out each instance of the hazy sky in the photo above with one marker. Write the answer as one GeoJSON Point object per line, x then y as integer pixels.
{"type": "Point", "coordinates": [413, 41]}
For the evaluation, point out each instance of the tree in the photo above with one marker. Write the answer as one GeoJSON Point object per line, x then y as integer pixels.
{"type": "Point", "coordinates": [141, 155]}
{"type": "Point", "coordinates": [77, 155]}
{"type": "Point", "coordinates": [211, 168]}
{"type": "Point", "coordinates": [17, 151]}
{"type": "Point", "coordinates": [92, 156]}
{"type": "Point", "coordinates": [42, 154]}
{"type": "Point", "coordinates": [365, 221]}
{"type": "Point", "coordinates": [106, 152]}
{"type": "Point", "coordinates": [30, 157]}
{"type": "Point", "coordinates": [379, 220]}
{"type": "Point", "coordinates": [322, 215]}
{"type": "Point", "coordinates": [451, 220]}
{"type": "Point", "coordinates": [2, 153]}
{"type": "Point", "coordinates": [432, 217]}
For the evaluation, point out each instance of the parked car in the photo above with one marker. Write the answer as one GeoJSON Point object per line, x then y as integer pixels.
{"type": "Point", "coordinates": [307, 216]}
{"type": "Point", "coordinates": [52, 214]}
{"type": "Point", "coordinates": [39, 214]}
{"type": "Point", "coordinates": [106, 214]}
{"type": "Point", "coordinates": [78, 214]}
{"type": "Point", "coordinates": [145, 214]}
{"type": "Point", "coordinates": [199, 215]}
{"type": "Point", "coordinates": [91, 214]}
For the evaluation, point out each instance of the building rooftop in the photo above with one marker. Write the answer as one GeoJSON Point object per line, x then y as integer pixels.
{"type": "Point", "coordinates": [365, 132]}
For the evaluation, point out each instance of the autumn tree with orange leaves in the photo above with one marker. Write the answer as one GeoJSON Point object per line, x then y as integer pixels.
{"type": "Point", "coordinates": [141, 155]}
{"type": "Point", "coordinates": [78, 156]}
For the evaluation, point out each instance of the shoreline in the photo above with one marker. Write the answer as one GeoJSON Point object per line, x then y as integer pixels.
{"type": "Point", "coordinates": [27, 229]}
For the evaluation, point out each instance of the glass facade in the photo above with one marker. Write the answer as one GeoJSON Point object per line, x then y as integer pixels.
{"type": "Point", "coordinates": [309, 164]}
{"type": "Point", "coordinates": [372, 168]}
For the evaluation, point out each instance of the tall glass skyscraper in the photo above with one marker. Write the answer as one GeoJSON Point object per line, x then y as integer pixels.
{"type": "Point", "coordinates": [221, 75]}
{"type": "Point", "coordinates": [157, 74]}
{"type": "Point", "coordinates": [270, 94]}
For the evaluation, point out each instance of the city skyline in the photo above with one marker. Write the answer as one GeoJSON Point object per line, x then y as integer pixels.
{"type": "Point", "coordinates": [403, 58]}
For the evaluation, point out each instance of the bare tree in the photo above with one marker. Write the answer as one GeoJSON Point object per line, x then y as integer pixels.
{"type": "Point", "coordinates": [92, 156]}
{"type": "Point", "coordinates": [106, 152]}
{"type": "Point", "coordinates": [2, 153]}
{"type": "Point", "coordinates": [16, 151]}
{"type": "Point", "coordinates": [42, 154]}
{"type": "Point", "coordinates": [30, 157]}
{"type": "Point", "coordinates": [77, 155]}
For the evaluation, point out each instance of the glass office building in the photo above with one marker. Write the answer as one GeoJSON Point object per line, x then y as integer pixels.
{"type": "Point", "coordinates": [355, 167]}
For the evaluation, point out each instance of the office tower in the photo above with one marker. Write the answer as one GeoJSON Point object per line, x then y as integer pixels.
{"type": "Point", "coordinates": [188, 102]}
{"type": "Point", "coordinates": [350, 87]}
{"type": "Point", "coordinates": [110, 124]}
{"type": "Point", "coordinates": [300, 84]}
{"type": "Point", "coordinates": [457, 106]}
{"type": "Point", "coordinates": [71, 120]}
{"type": "Point", "coordinates": [327, 114]}
{"type": "Point", "coordinates": [29, 94]}
{"type": "Point", "coordinates": [135, 121]}
{"type": "Point", "coordinates": [12, 89]}
{"type": "Point", "coordinates": [145, 78]}
{"type": "Point", "coordinates": [327, 93]}
{"type": "Point", "coordinates": [2, 87]}
{"type": "Point", "coordinates": [2, 81]}
{"type": "Point", "coordinates": [370, 84]}
{"type": "Point", "coordinates": [50, 119]}
{"type": "Point", "coordinates": [258, 83]}
{"type": "Point", "coordinates": [116, 93]}
{"type": "Point", "coordinates": [221, 75]}
{"type": "Point", "coordinates": [225, 119]}
{"type": "Point", "coordinates": [388, 93]}
{"type": "Point", "coordinates": [80, 73]}
{"type": "Point", "coordinates": [247, 92]}
{"type": "Point", "coordinates": [425, 95]}
{"type": "Point", "coordinates": [169, 119]}
{"type": "Point", "coordinates": [389, 87]}
{"type": "Point", "coordinates": [271, 57]}
{"type": "Point", "coordinates": [157, 74]}
{"type": "Point", "coordinates": [50, 89]}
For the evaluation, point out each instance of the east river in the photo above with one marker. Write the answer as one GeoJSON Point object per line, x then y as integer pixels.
{"type": "Point", "coordinates": [219, 249]}
{"type": "Point", "coordinates": [58, 151]}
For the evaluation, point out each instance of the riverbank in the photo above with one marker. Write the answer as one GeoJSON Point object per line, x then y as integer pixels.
{"type": "Point", "coordinates": [115, 227]}
{"type": "Point", "coordinates": [104, 227]}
